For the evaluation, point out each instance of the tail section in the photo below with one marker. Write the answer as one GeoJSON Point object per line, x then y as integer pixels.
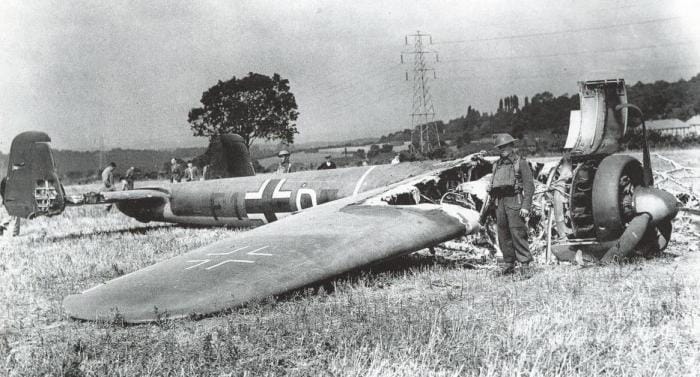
{"type": "Point", "coordinates": [228, 157]}
{"type": "Point", "coordinates": [32, 187]}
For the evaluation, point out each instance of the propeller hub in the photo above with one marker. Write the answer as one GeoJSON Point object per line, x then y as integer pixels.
{"type": "Point", "coordinates": [659, 204]}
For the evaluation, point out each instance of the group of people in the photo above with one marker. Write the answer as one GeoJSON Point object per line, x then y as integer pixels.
{"type": "Point", "coordinates": [177, 174]}
{"type": "Point", "coordinates": [190, 173]}
{"type": "Point", "coordinates": [285, 164]}
{"type": "Point", "coordinates": [108, 178]}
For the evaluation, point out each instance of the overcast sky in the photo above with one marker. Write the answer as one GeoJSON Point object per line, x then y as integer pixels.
{"type": "Point", "coordinates": [131, 71]}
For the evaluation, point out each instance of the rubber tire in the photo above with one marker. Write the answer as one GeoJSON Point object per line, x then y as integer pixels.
{"type": "Point", "coordinates": [607, 206]}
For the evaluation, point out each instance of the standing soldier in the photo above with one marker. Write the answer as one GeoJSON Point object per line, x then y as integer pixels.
{"type": "Point", "coordinates": [129, 178]}
{"type": "Point", "coordinates": [328, 164]}
{"type": "Point", "coordinates": [285, 165]}
{"type": "Point", "coordinates": [512, 187]}
{"type": "Point", "coordinates": [396, 160]}
{"type": "Point", "coordinates": [191, 173]}
{"type": "Point", "coordinates": [108, 180]}
{"type": "Point", "coordinates": [7, 222]}
{"type": "Point", "coordinates": [175, 171]}
{"type": "Point", "coordinates": [108, 177]}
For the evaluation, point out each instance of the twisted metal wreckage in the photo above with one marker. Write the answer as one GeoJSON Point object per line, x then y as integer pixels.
{"type": "Point", "coordinates": [593, 206]}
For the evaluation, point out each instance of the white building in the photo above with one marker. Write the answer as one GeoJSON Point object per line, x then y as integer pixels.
{"type": "Point", "coordinates": [694, 124]}
{"type": "Point", "coordinates": [671, 127]}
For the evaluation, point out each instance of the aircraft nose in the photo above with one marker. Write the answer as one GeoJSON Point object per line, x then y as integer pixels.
{"type": "Point", "coordinates": [659, 204]}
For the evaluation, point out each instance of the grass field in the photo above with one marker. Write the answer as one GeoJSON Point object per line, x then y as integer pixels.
{"type": "Point", "coordinates": [411, 316]}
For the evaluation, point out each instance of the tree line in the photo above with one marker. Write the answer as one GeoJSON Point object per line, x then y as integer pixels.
{"type": "Point", "coordinates": [543, 119]}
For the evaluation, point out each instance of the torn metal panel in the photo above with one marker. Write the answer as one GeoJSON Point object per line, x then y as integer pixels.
{"type": "Point", "coordinates": [598, 126]}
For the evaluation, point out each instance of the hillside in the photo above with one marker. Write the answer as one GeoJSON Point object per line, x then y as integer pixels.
{"type": "Point", "coordinates": [545, 116]}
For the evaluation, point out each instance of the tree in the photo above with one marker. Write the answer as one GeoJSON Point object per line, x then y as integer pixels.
{"type": "Point", "coordinates": [255, 107]}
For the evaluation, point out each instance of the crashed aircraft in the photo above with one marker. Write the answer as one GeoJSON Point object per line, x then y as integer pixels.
{"type": "Point", "coordinates": [346, 218]}
{"type": "Point", "coordinates": [334, 212]}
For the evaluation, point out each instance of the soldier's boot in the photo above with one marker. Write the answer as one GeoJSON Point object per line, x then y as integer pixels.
{"type": "Point", "coordinates": [507, 269]}
{"type": "Point", "coordinates": [526, 270]}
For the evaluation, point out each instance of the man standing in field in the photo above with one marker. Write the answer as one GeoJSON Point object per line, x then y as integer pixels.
{"type": "Point", "coordinates": [285, 164]}
{"type": "Point", "coordinates": [191, 173]}
{"type": "Point", "coordinates": [129, 178]}
{"type": "Point", "coordinates": [108, 180]}
{"type": "Point", "coordinates": [6, 221]}
{"type": "Point", "coordinates": [512, 187]}
{"type": "Point", "coordinates": [175, 171]}
{"type": "Point", "coordinates": [328, 164]}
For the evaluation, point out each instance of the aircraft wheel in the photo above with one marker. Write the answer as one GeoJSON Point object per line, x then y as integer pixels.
{"type": "Point", "coordinates": [607, 194]}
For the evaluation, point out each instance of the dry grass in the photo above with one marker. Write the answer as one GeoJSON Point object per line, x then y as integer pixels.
{"type": "Point", "coordinates": [408, 317]}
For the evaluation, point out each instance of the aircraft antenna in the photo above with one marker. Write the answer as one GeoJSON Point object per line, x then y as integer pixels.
{"type": "Point", "coordinates": [424, 131]}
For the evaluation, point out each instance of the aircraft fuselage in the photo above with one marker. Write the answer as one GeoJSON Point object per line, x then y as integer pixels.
{"type": "Point", "coordinates": [256, 200]}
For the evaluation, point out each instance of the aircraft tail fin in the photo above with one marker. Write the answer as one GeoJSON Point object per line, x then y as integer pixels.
{"type": "Point", "coordinates": [228, 157]}
{"type": "Point", "coordinates": [32, 187]}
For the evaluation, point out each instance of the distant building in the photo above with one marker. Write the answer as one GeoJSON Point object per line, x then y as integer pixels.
{"type": "Point", "coordinates": [670, 127]}
{"type": "Point", "coordinates": [694, 124]}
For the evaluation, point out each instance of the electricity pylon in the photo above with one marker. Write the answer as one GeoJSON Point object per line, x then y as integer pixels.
{"type": "Point", "coordinates": [423, 114]}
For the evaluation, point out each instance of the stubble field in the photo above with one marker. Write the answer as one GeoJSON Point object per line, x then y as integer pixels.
{"type": "Point", "coordinates": [411, 316]}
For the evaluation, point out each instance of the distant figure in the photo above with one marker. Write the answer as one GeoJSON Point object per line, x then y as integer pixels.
{"type": "Point", "coordinates": [205, 171]}
{"type": "Point", "coordinates": [6, 221]}
{"type": "Point", "coordinates": [365, 162]}
{"type": "Point", "coordinates": [328, 164]}
{"type": "Point", "coordinates": [108, 177]}
{"type": "Point", "coordinates": [175, 171]}
{"type": "Point", "coordinates": [129, 178]}
{"type": "Point", "coordinates": [396, 160]}
{"type": "Point", "coordinates": [284, 165]}
{"type": "Point", "coordinates": [191, 172]}
{"type": "Point", "coordinates": [108, 180]}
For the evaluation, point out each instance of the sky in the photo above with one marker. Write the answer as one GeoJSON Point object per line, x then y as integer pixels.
{"type": "Point", "coordinates": [128, 72]}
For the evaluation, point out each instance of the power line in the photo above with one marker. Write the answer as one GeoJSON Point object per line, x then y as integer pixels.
{"type": "Point", "coordinates": [567, 31]}
{"type": "Point", "coordinates": [343, 89]}
{"type": "Point", "coordinates": [571, 53]}
{"type": "Point", "coordinates": [566, 72]}
{"type": "Point", "coordinates": [350, 81]}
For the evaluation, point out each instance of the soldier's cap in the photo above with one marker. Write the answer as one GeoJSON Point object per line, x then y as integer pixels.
{"type": "Point", "coordinates": [501, 140]}
{"type": "Point", "coordinates": [283, 153]}
{"type": "Point", "coordinates": [328, 156]}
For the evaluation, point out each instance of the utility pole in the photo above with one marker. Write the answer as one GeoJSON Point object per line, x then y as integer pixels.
{"type": "Point", "coordinates": [423, 112]}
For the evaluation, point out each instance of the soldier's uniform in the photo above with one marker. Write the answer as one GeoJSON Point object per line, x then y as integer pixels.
{"type": "Point", "coordinates": [512, 187]}
{"type": "Point", "coordinates": [285, 164]}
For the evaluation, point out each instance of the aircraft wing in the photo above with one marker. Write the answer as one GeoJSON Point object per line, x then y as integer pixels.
{"type": "Point", "coordinates": [293, 252]}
